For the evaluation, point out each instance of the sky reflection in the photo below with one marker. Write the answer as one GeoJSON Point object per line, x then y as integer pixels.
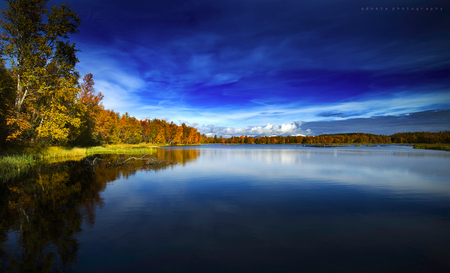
{"type": "Point", "coordinates": [400, 170]}
{"type": "Point", "coordinates": [240, 209]}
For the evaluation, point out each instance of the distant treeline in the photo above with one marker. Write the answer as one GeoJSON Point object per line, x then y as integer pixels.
{"type": "Point", "coordinates": [417, 137]}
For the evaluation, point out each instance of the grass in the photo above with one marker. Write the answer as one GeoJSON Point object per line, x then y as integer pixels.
{"type": "Point", "coordinates": [436, 146]}
{"type": "Point", "coordinates": [64, 153]}
{"type": "Point", "coordinates": [22, 160]}
{"type": "Point", "coordinates": [15, 165]}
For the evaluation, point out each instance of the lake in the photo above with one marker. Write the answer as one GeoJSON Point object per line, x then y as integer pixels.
{"type": "Point", "coordinates": [234, 208]}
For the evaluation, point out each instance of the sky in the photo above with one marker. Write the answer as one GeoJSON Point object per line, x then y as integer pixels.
{"type": "Point", "coordinates": [282, 67]}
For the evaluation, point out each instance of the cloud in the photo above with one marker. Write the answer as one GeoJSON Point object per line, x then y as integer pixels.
{"type": "Point", "coordinates": [338, 115]}
{"type": "Point", "coordinates": [251, 115]}
{"type": "Point", "coordinates": [225, 78]}
{"type": "Point", "coordinates": [428, 121]}
{"type": "Point", "coordinates": [239, 65]}
{"type": "Point", "coordinates": [271, 113]}
{"type": "Point", "coordinates": [291, 129]}
{"type": "Point", "coordinates": [119, 82]}
{"type": "Point", "coordinates": [115, 96]}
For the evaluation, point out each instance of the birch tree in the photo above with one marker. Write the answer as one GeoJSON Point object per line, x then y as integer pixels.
{"type": "Point", "coordinates": [35, 40]}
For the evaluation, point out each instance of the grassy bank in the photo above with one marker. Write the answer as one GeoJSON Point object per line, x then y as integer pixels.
{"type": "Point", "coordinates": [445, 147]}
{"type": "Point", "coordinates": [15, 165]}
{"type": "Point", "coordinates": [21, 160]}
{"type": "Point", "coordinates": [57, 153]}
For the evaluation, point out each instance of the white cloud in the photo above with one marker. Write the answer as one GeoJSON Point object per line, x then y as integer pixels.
{"type": "Point", "coordinates": [255, 131]}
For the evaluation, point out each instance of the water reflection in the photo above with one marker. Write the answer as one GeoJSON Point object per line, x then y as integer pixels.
{"type": "Point", "coordinates": [179, 155]}
{"type": "Point", "coordinates": [42, 212]}
{"type": "Point", "coordinates": [422, 172]}
{"type": "Point", "coordinates": [274, 210]}
{"type": "Point", "coordinates": [233, 209]}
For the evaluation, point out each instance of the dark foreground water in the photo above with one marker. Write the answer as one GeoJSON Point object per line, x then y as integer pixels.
{"type": "Point", "coordinates": [247, 208]}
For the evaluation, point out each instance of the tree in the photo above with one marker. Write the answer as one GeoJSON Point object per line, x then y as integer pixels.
{"type": "Point", "coordinates": [89, 107]}
{"type": "Point", "coordinates": [43, 65]}
{"type": "Point", "coordinates": [56, 112]}
{"type": "Point", "coordinates": [178, 135]}
{"type": "Point", "coordinates": [7, 101]}
{"type": "Point", "coordinates": [108, 127]}
{"type": "Point", "coordinates": [145, 127]}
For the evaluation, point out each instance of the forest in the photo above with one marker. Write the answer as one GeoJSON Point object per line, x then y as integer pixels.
{"type": "Point", "coordinates": [398, 138]}
{"type": "Point", "coordinates": [43, 102]}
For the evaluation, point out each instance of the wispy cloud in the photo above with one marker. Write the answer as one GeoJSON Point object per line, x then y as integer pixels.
{"type": "Point", "coordinates": [289, 112]}
{"type": "Point", "coordinates": [224, 78]}
{"type": "Point", "coordinates": [428, 121]}
{"type": "Point", "coordinates": [234, 64]}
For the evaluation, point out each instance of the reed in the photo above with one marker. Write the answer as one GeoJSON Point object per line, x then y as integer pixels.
{"type": "Point", "coordinates": [64, 153]}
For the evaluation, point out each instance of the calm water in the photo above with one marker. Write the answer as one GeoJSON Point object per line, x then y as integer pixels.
{"type": "Point", "coordinates": [246, 208]}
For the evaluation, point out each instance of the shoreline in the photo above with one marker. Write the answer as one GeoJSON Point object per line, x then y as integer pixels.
{"type": "Point", "coordinates": [21, 160]}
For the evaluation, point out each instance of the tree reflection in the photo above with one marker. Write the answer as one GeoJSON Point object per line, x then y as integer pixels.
{"type": "Point", "coordinates": [44, 210]}
{"type": "Point", "coordinates": [182, 156]}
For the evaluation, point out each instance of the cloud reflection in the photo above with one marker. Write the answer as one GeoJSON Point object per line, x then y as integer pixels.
{"type": "Point", "coordinates": [401, 171]}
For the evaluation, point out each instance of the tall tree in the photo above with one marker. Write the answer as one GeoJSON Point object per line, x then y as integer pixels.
{"type": "Point", "coordinates": [35, 41]}
{"type": "Point", "coordinates": [89, 108]}
{"type": "Point", "coordinates": [7, 101]}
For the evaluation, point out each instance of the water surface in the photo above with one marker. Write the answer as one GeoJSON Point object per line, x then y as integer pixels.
{"type": "Point", "coordinates": [239, 208]}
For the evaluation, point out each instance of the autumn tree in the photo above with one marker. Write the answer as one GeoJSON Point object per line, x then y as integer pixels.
{"type": "Point", "coordinates": [89, 107]}
{"type": "Point", "coordinates": [42, 60]}
{"type": "Point", "coordinates": [108, 127]}
{"type": "Point", "coordinates": [174, 133]}
{"type": "Point", "coordinates": [178, 135]}
{"type": "Point", "coordinates": [145, 127]}
{"type": "Point", "coordinates": [160, 133]}
{"type": "Point", "coordinates": [56, 113]}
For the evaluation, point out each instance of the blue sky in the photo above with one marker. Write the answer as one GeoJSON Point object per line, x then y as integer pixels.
{"type": "Point", "coordinates": [261, 67]}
